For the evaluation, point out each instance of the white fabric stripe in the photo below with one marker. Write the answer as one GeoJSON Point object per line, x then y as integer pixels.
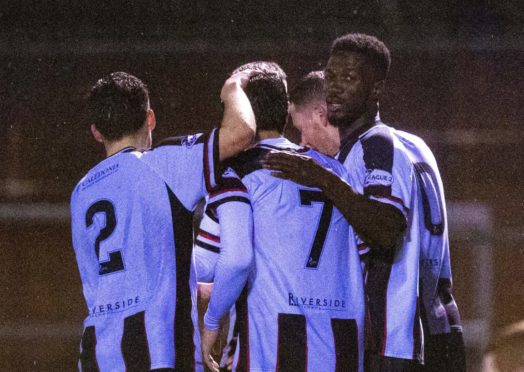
{"type": "Point", "coordinates": [364, 251]}
{"type": "Point", "coordinates": [398, 205]}
{"type": "Point", "coordinates": [208, 241]}
{"type": "Point", "coordinates": [227, 194]}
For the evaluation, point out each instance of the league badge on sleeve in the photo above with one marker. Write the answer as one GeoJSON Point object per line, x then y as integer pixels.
{"type": "Point", "coordinates": [376, 177]}
{"type": "Point", "coordinates": [190, 140]}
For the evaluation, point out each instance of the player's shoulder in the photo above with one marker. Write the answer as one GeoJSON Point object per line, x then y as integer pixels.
{"type": "Point", "coordinates": [249, 161]}
{"type": "Point", "coordinates": [383, 145]}
{"type": "Point", "coordinates": [229, 179]}
{"type": "Point", "coordinates": [229, 188]}
{"type": "Point", "coordinates": [324, 160]}
{"type": "Point", "coordinates": [103, 170]}
{"type": "Point", "coordinates": [379, 135]}
{"type": "Point", "coordinates": [411, 140]}
{"type": "Point", "coordinates": [182, 141]}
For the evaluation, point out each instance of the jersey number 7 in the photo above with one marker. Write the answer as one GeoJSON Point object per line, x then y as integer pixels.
{"type": "Point", "coordinates": [307, 197]}
{"type": "Point", "coordinates": [115, 263]}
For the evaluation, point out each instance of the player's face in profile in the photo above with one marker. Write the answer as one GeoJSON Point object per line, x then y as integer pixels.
{"type": "Point", "coordinates": [349, 85]}
{"type": "Point", "coordinates": [306, 120]}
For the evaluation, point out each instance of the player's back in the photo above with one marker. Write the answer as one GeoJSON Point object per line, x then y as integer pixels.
{"type": "Point", "coordinates": [305, 301]}
{"type": "Point", "coordinates": [129, 213]}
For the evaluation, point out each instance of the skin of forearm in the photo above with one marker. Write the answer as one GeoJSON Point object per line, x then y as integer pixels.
{"type": "Point", "coordinates": [379, 225]}
{"type": "Point", "coordinates": [238, 124]}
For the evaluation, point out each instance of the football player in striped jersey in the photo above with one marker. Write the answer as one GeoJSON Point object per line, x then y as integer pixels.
{"type": "Point", "coordinates": [304, 304]}
{"type": "Point", "coordinates": [397, 207]}
{"type": "Point", "coordinates": [131, 218]}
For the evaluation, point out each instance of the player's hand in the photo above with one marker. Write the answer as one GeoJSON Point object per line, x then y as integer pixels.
{"type": "Point", "coordinates": [295, 167]}
{"type": "Point", "coordinates": [208, 340]}
{"type": "Point", "coordinates": [240, 79]}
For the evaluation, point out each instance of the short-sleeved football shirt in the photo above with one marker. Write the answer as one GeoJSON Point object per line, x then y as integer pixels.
{"type": "Point", "coordinates": [132, 234]}
{"type": "Point", "coordinates": [304, 305]}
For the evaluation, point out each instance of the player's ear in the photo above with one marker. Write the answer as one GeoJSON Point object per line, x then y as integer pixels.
{"type": "Point", "coordinates": [321, 112]}
{"type": "Point", "coordinates": [96, 134]}
{"type": "Point", "coordinates": [378, 88]}
{"type": "Point", "coordinates": [151, 120]}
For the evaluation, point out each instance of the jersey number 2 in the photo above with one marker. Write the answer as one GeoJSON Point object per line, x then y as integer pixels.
{"type": "Point", "coordinates": [115, 262]}
{"type": "Point", "coordinates": [306, 198]}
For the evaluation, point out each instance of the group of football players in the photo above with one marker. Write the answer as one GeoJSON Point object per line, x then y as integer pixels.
{"type": "Point", "coordinates": [328, 255]}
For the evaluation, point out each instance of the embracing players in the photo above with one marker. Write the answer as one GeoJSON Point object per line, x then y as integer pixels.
{"type": "Point", "coordinates": [304, 304]}
{"type": "Point", "coordinates": [395, 204]}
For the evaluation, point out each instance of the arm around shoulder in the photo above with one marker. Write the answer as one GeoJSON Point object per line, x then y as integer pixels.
{"type": "Point", "coordinates": [238, 123]}
{"type": "Point", "coordinates": [379, 225]}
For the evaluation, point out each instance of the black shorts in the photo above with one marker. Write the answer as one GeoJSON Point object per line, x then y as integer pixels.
{"type": "Point", "coordinates": [444, 352]}
{"type": "Point", "coordinates": [377, 363]}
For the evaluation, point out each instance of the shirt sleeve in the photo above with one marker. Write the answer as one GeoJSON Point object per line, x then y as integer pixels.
{"type": "Point", "coordinates": [187, 164]}
{"type": "Point", "coordinates": [383, 172]}
{"type": "Point", "coordinates": [388, 172]}
{"type": "Point", "coordinates": [207, 246]}
{"type": "Point", "coordinates": [236, 248]}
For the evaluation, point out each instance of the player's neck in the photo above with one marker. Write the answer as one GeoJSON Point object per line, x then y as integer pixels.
{"type": "Point", "coordinates": [367, 120]}
{"type": "Point", "coordinates": [138, 142]}
{"type": "Point", "coordinates": [265, 134]}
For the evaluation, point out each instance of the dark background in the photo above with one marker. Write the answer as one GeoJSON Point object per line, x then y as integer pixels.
{"type": "Point", "coordinates": [456, 80]}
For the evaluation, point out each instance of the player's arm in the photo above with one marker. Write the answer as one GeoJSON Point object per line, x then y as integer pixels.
{"type": "Point", "coordinates": [206, 248]}
{"type": "Point", "coordinates": [231, 271]}
{"type": "Point", "coordinates": [238, 123]}
{"type": "Point", "coordinates": [378, 224]}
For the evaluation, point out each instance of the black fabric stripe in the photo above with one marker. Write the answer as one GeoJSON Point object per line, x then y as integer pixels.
{"type": "Point", "coordinates": [228, 183]}
{"type": "Point", "coordinates": [422, 168]}
{"type": "Point", "coordinates": [346, 147]}
{"type": "Point", "coordinates": [217, 166]}
{"type": "Point", "coordinates": [88, 362]}
{"type": "Point", "coordinates": [135, 349]}
{"type": "Point", "coordinates": [292, 343]}
{"type": "Point", "coordinates": [378, 154]}
{"type": "Point", "coordinates": [218, 203]}
{"type": "Point", "coordinates": [349, 141]}
{"type": "Point", "coordinates": [183, 233]}
{"type": "Point", "coordinates": [345, 334]}
{"type": "Point", "coordinates": [247, 162]}
{"type": "Point", "coordinates": [204, 232]}
{"type": "Point", "coordinates": [417, 335]}
{"type": "Point", "coordinates": [377, 285]}
{"type": "Point", "coordinates": [423, 312]}
{"type": "Point", "coordinates": [242, 327]}
{"type": "Point", "coordinates": [206, 246]}
{"type": "Point", "coordinates": [212, 213]}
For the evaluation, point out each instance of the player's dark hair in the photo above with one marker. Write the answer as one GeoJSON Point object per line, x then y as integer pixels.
{"type": "Point", "coordinates": [118, 105]}
{"type": "Point", "coordinates": [309, 88]}
{"type": "Point", "coordinates": [375, 51]}
{"type": "Point", "coordinates": [267, 93]}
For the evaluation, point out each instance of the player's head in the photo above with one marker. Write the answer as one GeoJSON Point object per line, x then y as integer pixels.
{"type": "Point", "coordinates": [309, 114]}
{"type": "Point", "coordinates": [119, 105]}
{"type": "Point", "coordinates": [267, 92]}
{"type": "Point", "coordinates": [355, 74]}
